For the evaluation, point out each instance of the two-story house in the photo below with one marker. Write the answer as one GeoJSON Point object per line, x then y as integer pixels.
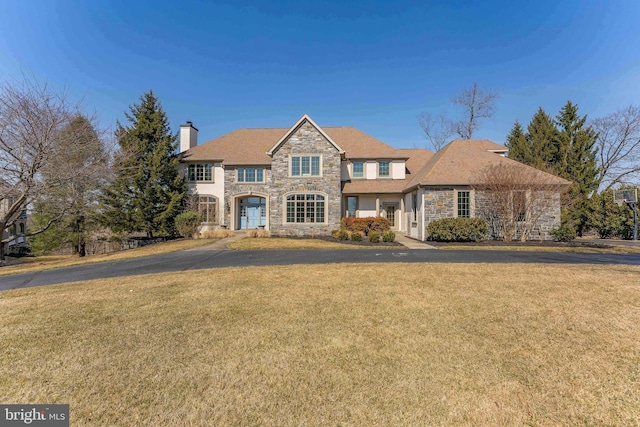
{"type": "Point", "coordinates": [12, 236]}
{"type": "Point", "coordinates": [304, 179]}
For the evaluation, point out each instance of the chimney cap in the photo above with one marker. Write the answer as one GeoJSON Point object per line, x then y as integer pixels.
{"type": "Point", "coordinates": [188, 124]}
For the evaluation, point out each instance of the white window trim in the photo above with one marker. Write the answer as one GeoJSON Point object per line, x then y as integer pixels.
{"type": "Point", "coordinates": [364, 170]}
{"type": "Point", "coordinates": [390, 176]}
{"type": "Point", "coordinates": [291, 156]}
{"type": "Point", "coordinates": [319, 193]}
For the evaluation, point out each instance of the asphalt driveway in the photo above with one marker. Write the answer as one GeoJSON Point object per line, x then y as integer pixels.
{"type": "Point", "coordinates": [196, 259]}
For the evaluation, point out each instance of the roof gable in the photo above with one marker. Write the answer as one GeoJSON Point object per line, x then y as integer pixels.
{"type": "Point", "coordinates": [304, 119]}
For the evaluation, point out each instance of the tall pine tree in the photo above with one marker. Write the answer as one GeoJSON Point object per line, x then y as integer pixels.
{"type": "Point", "coordinates": [576, 161]}
{"type": "Point", "coordinates": [538, 145]}
{"type": "Point", "coordinates": [564, 146]}
{"type": "Point", "coordinates": [148, 191]}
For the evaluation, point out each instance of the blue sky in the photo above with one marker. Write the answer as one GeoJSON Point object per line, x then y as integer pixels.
{"type": "Point", "coordinates": [372, 65]}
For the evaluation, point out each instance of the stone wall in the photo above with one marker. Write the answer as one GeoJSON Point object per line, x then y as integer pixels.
{"type": "Point", "coordinates": [545, 212]}
{"type": "Point", "coordinates": [438, 203]}
{"type": "Point", "coordinates": [305, 140]}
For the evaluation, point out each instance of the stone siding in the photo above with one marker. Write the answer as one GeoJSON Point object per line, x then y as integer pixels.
{"type": "Point", "coordinates": [233, 189]}
{"type": "Point", "coordinates": [546, 211]}
{"type": "Point", "coordinates": [438, 203]}
{"type": "Point", "coordinates": [305, 140]}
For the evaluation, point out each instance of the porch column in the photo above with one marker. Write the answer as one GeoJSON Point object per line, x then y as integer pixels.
{"type": "Point", "coordinates": [377, 205]}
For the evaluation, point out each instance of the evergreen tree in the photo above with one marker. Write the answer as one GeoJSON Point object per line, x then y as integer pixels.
{"type": "Point", "coordinates": [537, 146]}
{"type": "Point", "coordinates": [75, 201]}
{"type": "Point", "coordinates": [518, 145]}
{"type": "Point", "coordinates": [147, 192]}
{"type": "Point", "coordinates": [575, 160]}
{"type": "Point", "coordinates": [542, 136]}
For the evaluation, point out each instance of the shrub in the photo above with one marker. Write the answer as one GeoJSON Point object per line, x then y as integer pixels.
{"type": "Point", "coordinates": [374, 237]}
{"type": "Point", "coordinates": [388, 236]}
{"type": "Point", "coordinates": [260, 234]}
{"type": "Point", "coordinates": [458, 230]}
{"type": "Point", "coordinates": [343, 235]}
{"type": "Point", "coordinates": [187, 224]}
{"type": "Point", "coordinates": [356, 236]}
{"type": "Point", "coordinates": [380, 224]}
{"type": "Point", "coordinates": [564, 233]}
{"type": "Point", "coordinates": [335, 234]}
{"type": "Point", "coordinates": [366, 225]}
{"type": "Point", "coordinates": [214, 234]}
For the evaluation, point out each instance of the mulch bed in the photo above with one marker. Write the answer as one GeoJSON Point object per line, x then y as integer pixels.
{"type": "Point", "coordinates": [528, 244]}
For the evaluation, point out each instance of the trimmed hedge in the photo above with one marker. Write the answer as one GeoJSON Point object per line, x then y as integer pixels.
{"type": "Point", "coordinates": [388, 236]}
{"type": "Point", "coordinates": [356, 236]}
{"type": "Point", "coordinates": [366, 225]}
{"type": "Point", "coordinates": [564, 233]}
{"type": "Point", "coordinates": [374, 237]}
{"type": "Point", "coordinates": [187, 224]}
{"type": "Point", "coordinates": [458, 230]}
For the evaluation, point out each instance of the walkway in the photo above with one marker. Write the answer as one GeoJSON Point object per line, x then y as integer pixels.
{"type": "Point", "coordinates": [412, 243]}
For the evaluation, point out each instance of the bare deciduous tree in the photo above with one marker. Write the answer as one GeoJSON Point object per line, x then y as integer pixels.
{"type": "Point", "coordinates": [32, 121]}
{"type": "Point", "coordinates": [474, 105]}
{"type": "Point", "coordinates": [437, 130]}
{"type": "Point", "coordinates": [514, 198]}
{"type": "Point", "coordinates": [618, 147]}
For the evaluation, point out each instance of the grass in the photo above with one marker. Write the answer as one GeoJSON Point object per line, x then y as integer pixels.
{"type": "Point", "coordinates": [438, 344]}
{"type": "Point", "coordinates": [49, 261]}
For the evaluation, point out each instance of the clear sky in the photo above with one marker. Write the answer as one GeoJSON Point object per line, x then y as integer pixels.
{"type": "Point", "coordinates": [372, 65]}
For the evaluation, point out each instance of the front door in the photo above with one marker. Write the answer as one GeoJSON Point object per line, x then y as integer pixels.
{"type": "Point", "coordinates": [389, 212]}
{"type": "Point", "coordinates": [253, 212]}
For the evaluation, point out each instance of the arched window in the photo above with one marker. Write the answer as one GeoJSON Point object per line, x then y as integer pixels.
{"type": "Point", "coordinates": [22, 228]}
{"type": "Point", "coordinates": [207, 208]}
{"type": "Point", "coordinates": [306, 207]}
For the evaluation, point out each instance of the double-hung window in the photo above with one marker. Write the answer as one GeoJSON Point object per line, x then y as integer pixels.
{"type": "Point", "coordinates": [200, 172]}
{"type": "Point", "coordinates": [358, 169]}
{"type": "Point", "coordinates": [305, 165]}
{"type": "Point", "coordinates": [383, 169]}
{"type": "Point", "coordinates": [250, 174]}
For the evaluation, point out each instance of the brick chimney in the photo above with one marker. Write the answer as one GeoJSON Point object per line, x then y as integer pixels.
{"type": "Point", "coordinates": [188, 136]}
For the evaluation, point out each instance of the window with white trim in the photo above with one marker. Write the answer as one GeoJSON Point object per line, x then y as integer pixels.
{"type": "Point", "coordinates": [250, 174]}
{"type": "Point", "coordinates": [384, 169]}
{"type": "Point", "coordinates": [305, 207]}
{"type": "Point", "coordinates": [305, 165]}
{"type": "Point", "coordinates": [358, 169]}
{"type": "Point", "coordinates": [207, 209]}
{"type": "Point", "coordinates": [200, 172]}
